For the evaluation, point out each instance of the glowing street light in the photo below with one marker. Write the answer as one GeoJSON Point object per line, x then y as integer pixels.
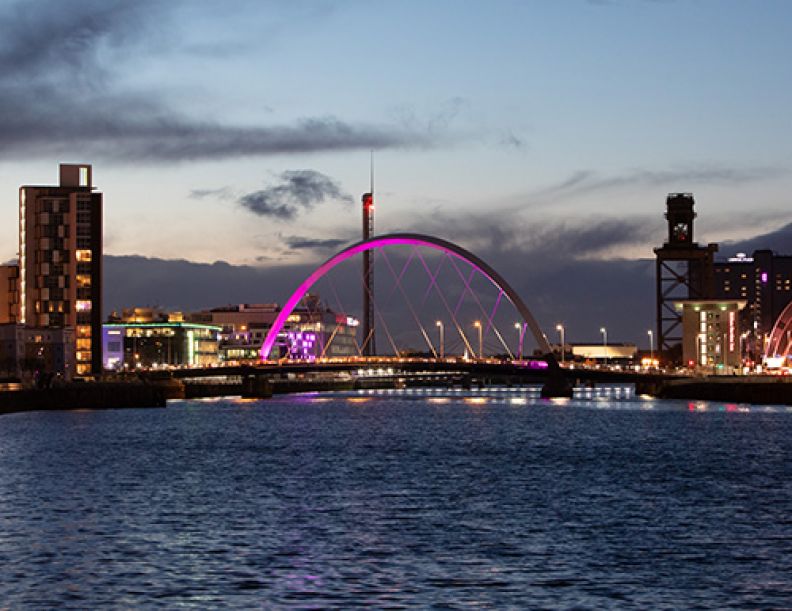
{"type": "Point", "coordinates": [439, 325]}
{"type": "Point", "coordinates": [520, 336]}
{"type": "Point", "coordinates": [560, 329]}
{"type": "Point", "coordinates": [651, 344]}
{"type": "Point", "coordinates": [604, 332]}
{"type": "Point", "coordinates": [477, 324]}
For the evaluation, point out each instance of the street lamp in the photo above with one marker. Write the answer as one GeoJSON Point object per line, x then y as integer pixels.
{"type": "Point", "coordinates": [439, 325]}
{"type": "Point", "coordinates": [604, 332]}
{"type": "Point", "coordinates": [477, 324]}
{"type": "Point", "coordinates": [651, 346]}
{"type": "Point", "coordinates": [560, 329]}
{"type": "Point", "coordinates": [520, 335]}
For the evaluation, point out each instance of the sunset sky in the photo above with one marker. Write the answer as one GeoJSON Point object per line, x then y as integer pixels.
{"type": "Point", "coordinates": [241, 131]}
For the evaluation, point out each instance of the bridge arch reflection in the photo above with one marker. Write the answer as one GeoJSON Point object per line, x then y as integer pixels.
{"type": "Point", "coordinates": [412, 239]}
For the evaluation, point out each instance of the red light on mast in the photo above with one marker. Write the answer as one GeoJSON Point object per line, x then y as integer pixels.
{"type": "Point", "coordinates": [368, 200]}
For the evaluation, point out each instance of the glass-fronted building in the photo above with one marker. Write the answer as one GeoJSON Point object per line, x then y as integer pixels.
{"type": "Point", "coordinates": [133, 345]}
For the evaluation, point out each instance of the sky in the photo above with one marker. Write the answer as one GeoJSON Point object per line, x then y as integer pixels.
{"type": "Point", "coordinates": [543, 135]}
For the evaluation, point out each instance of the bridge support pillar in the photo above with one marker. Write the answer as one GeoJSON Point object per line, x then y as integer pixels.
{"type": "Point", "coordinates": [256, 387]}
{"type": "Point", "coordinates": [556, 384]}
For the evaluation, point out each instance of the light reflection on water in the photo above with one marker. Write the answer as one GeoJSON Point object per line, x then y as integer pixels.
{"type": "Point", "coordinates": [488, 497]}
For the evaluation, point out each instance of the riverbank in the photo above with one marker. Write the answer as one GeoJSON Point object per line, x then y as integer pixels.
{"type": "Point", "coordinates": [95, 395]}
{"type": "Point", "coordinates": [731, 389]}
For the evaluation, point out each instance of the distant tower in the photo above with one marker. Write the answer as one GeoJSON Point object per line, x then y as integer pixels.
{"type": "Point", "coordinates": [369, 346]}
{"type": "Point", "coordinates": [684, 270]}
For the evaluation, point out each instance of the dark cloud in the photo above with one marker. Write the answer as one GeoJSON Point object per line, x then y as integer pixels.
{"type": "Point", "coordinates": [295, 242]}
{"type": "Point", "coordinates": [297, 190]}
{"type": "Point", "coordinates": [583, 237]}
{"type": "Point", "coordinates": [778, 240]}
{"type": "Point", "coordinates": [58, 95]}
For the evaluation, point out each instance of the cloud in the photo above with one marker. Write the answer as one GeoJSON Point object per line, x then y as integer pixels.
{"type": "Point", "coordinates": [295, 242]}
{"type": "Point", "coordinates": [584, 182]}
{"type": "Point", "coordinates": [59, 95]}
{"type": "Point", "coordinates": [298, 190]}
{"type": "Point", "coordinates": [582, 238]}
{"type": "Point", "coordinates": [221, 193]}
{"type": "Point", "coordinates": [778, 240]}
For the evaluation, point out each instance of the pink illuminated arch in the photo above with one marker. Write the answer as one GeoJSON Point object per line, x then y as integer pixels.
{"type": "Point", "coordinates": [780, 341]}
{"type": "Point", "coordinates": [401, 239]}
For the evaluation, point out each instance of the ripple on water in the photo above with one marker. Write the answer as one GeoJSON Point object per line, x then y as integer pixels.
{"type": "Point", "coordinates": [403, 500]}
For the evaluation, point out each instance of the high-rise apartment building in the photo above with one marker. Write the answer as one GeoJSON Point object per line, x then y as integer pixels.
{"type": "Point", "coordinates": [60, 262]}
{"type": "Point", "coordinates": [9, 280]}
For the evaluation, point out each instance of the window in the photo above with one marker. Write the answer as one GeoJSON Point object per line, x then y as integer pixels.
{"type": "Point", "coordinates": [84, 177]}
{"type": "Point", "coordinates": [83, 305]}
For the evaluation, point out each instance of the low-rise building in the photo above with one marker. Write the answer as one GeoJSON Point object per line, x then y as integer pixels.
{"type": "Point", "coordinates": [42, 351]}
{"type": "Point", "coordinates": [160, 344]}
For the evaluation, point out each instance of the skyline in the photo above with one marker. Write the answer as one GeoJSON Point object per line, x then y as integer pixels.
{"type": "Point", "coordinates": [531, 128]}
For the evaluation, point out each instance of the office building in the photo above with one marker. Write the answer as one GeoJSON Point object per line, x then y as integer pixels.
{"type": "Point", "coordinates": [312, 331]}
{"type": "Point", "coordinates": [60, 263]}
{"type": "Point", "coordinates": [713, 337]}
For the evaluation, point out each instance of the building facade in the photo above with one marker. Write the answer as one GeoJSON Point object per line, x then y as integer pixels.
{"type": "Point", "coordinates": [764, 281]}
{"type": "Point", "coordinates": [60, 263]}
{"type": "Point", "coordinates": [159, 345]}
{"type": "Point", "coordinates": [311, 331]}
{"type": "Point", "coordinates": [9, 299]}
{"type": "Point", "coordinates": [30, 351]}
{"type": "Point", "coordinates": [713, 336]}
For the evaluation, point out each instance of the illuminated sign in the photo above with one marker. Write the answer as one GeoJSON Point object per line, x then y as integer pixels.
{"type": "Point", "coordinates": [732, 329]}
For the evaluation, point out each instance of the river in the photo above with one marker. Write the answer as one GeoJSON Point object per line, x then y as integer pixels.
{"type": "Point", "coordinates": [401, 499]}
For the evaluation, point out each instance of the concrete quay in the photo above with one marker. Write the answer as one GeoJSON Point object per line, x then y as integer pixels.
{"type": "Point", "coordinates": [774, 390]}
{"type": "Point", "coordinates": [90, 395]}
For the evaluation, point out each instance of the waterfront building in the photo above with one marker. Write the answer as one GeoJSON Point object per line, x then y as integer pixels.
{"type": "Point", "coordinates": [312, 331]}
{"type": "Point", "coordinates": [60, 264]}
{"type": "Point", "coordinates": [764, 281]}
{"type": "Point", "coordinates": [9, 300]}
{"type": "Point", "coordinates": [599, 352]}
{"type": "Point", "coordinates": [31, 351]}
{"type": "Point", "coordinates": [712, 333]}
{"type": "Point", "coordinates": [160, 344]}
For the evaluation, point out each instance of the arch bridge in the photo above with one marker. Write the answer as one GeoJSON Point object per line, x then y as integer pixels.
{"type": "Point", "coordinates": [556, 383]}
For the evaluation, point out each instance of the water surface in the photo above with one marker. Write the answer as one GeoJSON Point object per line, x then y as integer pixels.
{"type": "Point", "coordinates": [417, 499]}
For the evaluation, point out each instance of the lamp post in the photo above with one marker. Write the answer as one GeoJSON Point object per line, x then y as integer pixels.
{"type": "Point", "coordinates": [604, 332]}
{"type": "Point", "coordinates": [477, 324]}
{"type": "Point", "coordinates": [439, 325]}
{"type": "Point", "coordinates": [560, 329]}
{"type": "Point", "coordinates": [520, 335]}
{"type": "Point", "coordinates": [651, 347]}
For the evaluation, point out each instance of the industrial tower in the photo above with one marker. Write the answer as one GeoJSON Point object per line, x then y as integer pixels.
{"type": "Point", "coordinates": [684, 270]}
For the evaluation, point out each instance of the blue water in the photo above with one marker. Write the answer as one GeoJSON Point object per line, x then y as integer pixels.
{"type": "Point", "coordinates": [397, 500]}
